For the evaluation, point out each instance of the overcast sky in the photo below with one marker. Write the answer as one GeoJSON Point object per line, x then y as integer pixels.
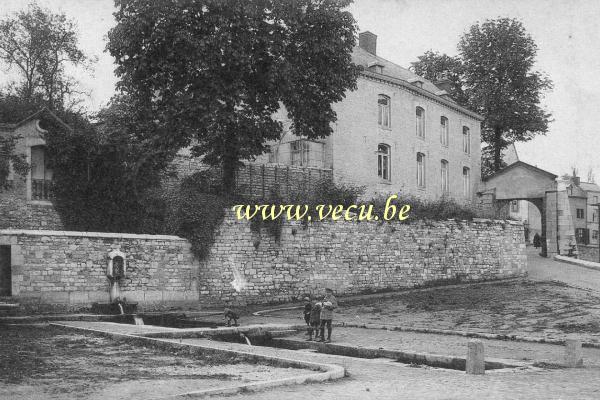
{"type": "Point", "coordinates": [566, 32]}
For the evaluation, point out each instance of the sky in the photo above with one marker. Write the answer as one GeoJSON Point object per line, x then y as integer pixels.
{"type": "Point", "coordinates": [565, 31]}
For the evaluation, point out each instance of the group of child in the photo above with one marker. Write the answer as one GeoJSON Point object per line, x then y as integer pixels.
{"type": "Point", "coordinates": [318, 315]}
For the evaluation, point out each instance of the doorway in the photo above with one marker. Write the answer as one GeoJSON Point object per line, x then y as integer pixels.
{"type": "Point", "coordinates": [5, 272]}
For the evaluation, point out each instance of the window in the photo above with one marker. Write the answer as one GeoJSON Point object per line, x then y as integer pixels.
{"type": "Point", "coordinates": [300, 152]}
{"type": "Point", "coordinates": [420, 170]}
{"type": "Point", "coordinates": [41, 174]}
{"type": "Point", "coordinates": [444, 168]}
{"type": "Point", "coordinates": [514, 206]}
{"type": "Point", "coordinates": [594, 216]}
{"type": "Point", "coordinates": [595, 235]}
{"type": "Point", "coordinates": [466, 182]}
{"type": "Point", "coordinates": [595, 199]}
{"type": "Point", "coordinates": [420, 114]}
{"type": "Point", "coordinates": [444, 131]}
{"type": "Point", "coordinates": [383, 162]}
{"type": "Point", "coordinates": [580, 213]}
{"type": "Point", "coordinates": [466, 140]}
{"type": "Point", "coordinates": [384, 116]}
{"type": "Point", "coordinates": [581, 236]}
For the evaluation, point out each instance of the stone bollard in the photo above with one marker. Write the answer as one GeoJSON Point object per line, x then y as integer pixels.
{"type": "Point", "coordinates": [573, 353]}
{"type": "Point", "coordinates": [475, 358]}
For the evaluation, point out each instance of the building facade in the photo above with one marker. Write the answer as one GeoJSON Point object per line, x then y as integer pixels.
{"type": "Point", "coordinates": [26, 203]}
{"type": "Point", "coordinates": [397, 133]}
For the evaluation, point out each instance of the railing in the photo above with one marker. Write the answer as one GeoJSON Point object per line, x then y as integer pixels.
{"type": "Point", "coordinates": [41, 189]}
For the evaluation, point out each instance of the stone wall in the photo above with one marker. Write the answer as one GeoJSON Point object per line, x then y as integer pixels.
{"type": "Point", "coordinates": [588, 252]}
{"type": "Point", "coordinates": [356, 257]}
{"type": "Point", "coordinates": [69, 268]}
{"type": "Point", "coordinates": [18, 213]}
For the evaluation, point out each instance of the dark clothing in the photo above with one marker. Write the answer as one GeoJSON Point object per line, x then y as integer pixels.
{"type": "Point", "coordinates": [315, 314]}
{"type": "Point", "coordinates": [313, 327]}
{"type": "Point", "coordinates": [307, 310]}
{"type": "Point", "coordinates": [325, 322]}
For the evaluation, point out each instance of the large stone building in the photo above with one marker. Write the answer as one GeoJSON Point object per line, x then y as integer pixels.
{"type": "Point", "coordinates": [397, 133]}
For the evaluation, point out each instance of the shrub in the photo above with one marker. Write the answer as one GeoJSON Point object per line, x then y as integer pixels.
{"type": "Point", "coordinates": [420, 209]}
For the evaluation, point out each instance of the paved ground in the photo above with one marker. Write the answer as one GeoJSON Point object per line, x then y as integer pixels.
{"type": "Point", "coordinates": [385, 379]}
{"type": "Point", "coordinates": [544, 269]}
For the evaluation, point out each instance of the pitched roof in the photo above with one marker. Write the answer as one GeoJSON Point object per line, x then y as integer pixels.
{"type": "Point", "coordinates": [521, 164]}
{"type": "Point", "coordinates": [394, 73]}
{"type": "Point", "coordinates": [589, 187]}
{"type": "Point", "coordinates": [45, 110]}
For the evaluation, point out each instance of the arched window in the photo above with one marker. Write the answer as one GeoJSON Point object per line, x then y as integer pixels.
{"type": "Point", "coordinates": [467, 182]}
{"type": "Point", "coordinates": [383, 162]}
{"type": "Point", "coordinates": [444, 131]}
{"type": "Point", "coordinates": [384, 114]}
{"type": "Point", "coordinates": [444, 169]}
{"type": "Point", "coordinates": [420, 114]}
{"type": "Point", "coordinates": [466, 140]}
{"type": "Point", "coordinates": [420, 170]}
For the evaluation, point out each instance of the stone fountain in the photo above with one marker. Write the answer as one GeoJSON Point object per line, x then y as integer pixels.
{"type": "Point", "coordinates": [116, 271]}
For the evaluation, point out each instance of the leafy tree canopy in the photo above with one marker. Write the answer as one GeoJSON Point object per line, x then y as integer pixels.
{"type": "Point", "coordinates": [213, 72]}
{"type": "Point", "coordinates": [495, 73]}
{"type": "Point", "coordinates": [38, 45]}
{"type": "Point", "coordinates": [438, 67]}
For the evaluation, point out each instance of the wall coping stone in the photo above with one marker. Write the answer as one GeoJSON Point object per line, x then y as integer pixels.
{"type": "Point", "coordinates": [16, 232]}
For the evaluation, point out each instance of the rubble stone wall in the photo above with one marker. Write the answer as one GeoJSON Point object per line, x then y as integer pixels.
{"type": "Point", "coordinates": [246, 266]}
{"type": "Point", "coordinates": [356, 257]}
{"type": "Point", "coordinates": [69, 268]}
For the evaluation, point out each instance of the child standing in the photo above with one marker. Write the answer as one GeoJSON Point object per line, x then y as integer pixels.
{"type": "Point", "coordinates": [329, 304]}
{"type": "Point", "coordinates": [315, 320]}
{"type": "Point", "coordinates": [307, 307]}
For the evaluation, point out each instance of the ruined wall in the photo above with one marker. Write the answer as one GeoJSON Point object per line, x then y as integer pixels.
{"type": "Point", "coordinates": [69, 268]}
{"type": "Point", "coordinates": [356, 257]}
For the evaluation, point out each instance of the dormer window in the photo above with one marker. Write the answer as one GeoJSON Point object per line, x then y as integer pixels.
{"type": "Point", "coordinates": [383, 108]}
{"type": "Point", "coordinates": [418, 82]}
{"type": "Point", "coordinates": [376, 66]}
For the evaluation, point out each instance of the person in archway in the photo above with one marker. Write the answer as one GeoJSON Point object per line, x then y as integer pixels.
{"type": "Point", "coordinates": [536, 240]}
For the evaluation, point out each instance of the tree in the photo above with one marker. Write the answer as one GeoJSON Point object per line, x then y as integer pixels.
{"type": "Point", "coordinates": [213, 73]}
{"type": "Point", "coordinates": [8, 157]}
{"type": "Point", "coordinates": [498, 58]}
{"type": "Point", "coordinates": [438, 67]}
{"type": "Point", "coordinates": [39, 45]}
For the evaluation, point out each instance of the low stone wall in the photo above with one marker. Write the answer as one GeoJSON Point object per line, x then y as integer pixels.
{"type": "Point", "coordinates": [18, 213]}
{"type": "Point", "coordinates": [68, 269]}
{"type": "Point", "coordinates": [355, 257]}
{"type": "Point", "coordinates": [588, 252]}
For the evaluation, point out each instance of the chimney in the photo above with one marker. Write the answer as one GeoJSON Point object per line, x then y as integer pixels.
{"type": "Point", "coordinates": [575, 179]}
{"type": "Point", "coordinates": [368, 42]}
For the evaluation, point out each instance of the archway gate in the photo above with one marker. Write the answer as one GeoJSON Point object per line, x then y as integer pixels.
{"type": "Point", "coordinates": [522, 181]}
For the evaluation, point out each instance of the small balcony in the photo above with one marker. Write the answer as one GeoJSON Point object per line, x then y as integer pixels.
{"type": "Point", "coordinates": [41, 189]}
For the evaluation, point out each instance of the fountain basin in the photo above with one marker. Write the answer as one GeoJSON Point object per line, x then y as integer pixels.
{"type": "Point", "coordinates": [113, 308]}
